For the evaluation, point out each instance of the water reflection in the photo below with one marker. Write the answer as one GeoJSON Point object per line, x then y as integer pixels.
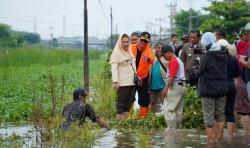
{"type": "Point", "coordinates": [169, 139]}
{"type": "Point", "coordinates": [129, 138]}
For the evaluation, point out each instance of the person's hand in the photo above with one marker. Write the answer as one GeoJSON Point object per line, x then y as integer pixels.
{"type": "Point", "coordinates": [165, 93]}
{"type": "Point", "coordinates": [146, 58]}
{"type": "Point", "coordinates": [203, 50]}
{"type": "Point", "coordinates": [140, 82]}
{"type": "Point", "coordinates": [242, 59]}
{"type": "Point", "coordinates": [116, 86]}
{"type": "Point", "coordinates": [103, 123]}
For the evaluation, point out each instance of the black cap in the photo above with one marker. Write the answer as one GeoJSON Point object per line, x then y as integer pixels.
{"type": "Point", "coordinates": [185, 37]}
{"type": "Point", "coordinates": [145, 36]}
{"type": "Point", "coordinates": [79, 92]}
{"type": "Point", "coordinates": [167, 48]}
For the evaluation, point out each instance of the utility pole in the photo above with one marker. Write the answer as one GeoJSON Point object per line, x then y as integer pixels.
{"type": "Point", "coordinates": [34, 25]}
{"type": "Point", "coordinates": [190, 16]}
{"type": "Point", "coordinates": [172, 8]}
{"type": "Point", "coordinates": [111, 36]}
{"type": "Point", "coordinates": [51, 32]}
{"type": "Point", "coordinates": [190, 20]}
{"type": "Point", "coordinates": [86, 56]}
{"type": "Point", "coordinates": [64, 25]}
{"type": "Point", "coordinates": [160, 20]}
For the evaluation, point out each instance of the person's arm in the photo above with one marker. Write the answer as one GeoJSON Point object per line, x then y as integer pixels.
{"type": "Point", "coordinates": [183, 56]}
{"type": "Point", "coordinates": [244, 62]}
{"type": "Point", "coordinates": [236, 69]}
{"type": "Point", "coordinates": [203, 67]}
{"type": "Point", "coordinates": [152, 61]}
{"type": "Point", "coordinates": [114, 69]}
{"type": "Point", "coordinates": [173, 68]}
{"type": "Point", "coordinates": [92, 116]}
{"type": "Point", "coordinates": [169, 85]}
{"type": "Point", "coordinates": [103, 123]}
{"type": "Point", "coordinates": [150, 74]}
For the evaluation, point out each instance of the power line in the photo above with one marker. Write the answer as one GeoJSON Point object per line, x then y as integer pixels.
{"type": "Point", "coordinates": [75, 24]}
{"type": "Point", "coordinates": [103, 12]}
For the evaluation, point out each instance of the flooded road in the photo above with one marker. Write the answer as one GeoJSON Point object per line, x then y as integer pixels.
{"type": "Point", "coordinates": [183, 138]}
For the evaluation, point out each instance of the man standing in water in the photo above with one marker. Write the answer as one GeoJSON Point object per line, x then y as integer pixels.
{"type": "Point", "coordinates": [144, 59]}
{"type": "Point", "coordinates": [175, 88]}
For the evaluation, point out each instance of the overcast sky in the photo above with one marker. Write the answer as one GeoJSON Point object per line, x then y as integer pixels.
{"type": "Point", "coordinates": [129, 15]}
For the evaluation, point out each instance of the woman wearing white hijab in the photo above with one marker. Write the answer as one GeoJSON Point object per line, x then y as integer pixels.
{"type": "Point", "coordinates": [212, 86]}
{"type": "Point", "coordinates": [122, 68]}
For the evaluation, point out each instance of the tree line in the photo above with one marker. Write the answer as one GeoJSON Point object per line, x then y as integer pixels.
{"type": "Point", "coordinates": [227, 15]}
{"type": "Point", "coordinates": [11, 38]}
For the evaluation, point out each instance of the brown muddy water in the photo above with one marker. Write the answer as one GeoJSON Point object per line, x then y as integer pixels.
{"type": "Point", "coordinates": [126, 138]}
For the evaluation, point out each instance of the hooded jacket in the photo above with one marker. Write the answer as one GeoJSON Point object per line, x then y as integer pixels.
{"type": "Point", "coordinates": [212, 73]}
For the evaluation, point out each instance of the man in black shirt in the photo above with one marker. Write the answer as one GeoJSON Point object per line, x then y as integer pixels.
{"type": "Point", "coordinates": [78, 110]}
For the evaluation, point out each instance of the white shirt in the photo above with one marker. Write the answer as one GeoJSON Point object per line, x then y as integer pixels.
{"type": "Point", "coordinates": [180, 72]}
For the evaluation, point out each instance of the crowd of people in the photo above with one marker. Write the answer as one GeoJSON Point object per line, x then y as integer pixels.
{"type": "Point", "coordinates": [218, 70]}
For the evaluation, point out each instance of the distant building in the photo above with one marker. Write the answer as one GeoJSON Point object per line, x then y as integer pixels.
{"type": "Point", "coordinates": [77, 42]}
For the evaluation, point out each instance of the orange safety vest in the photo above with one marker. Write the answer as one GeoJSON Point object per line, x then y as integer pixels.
{"type": "Point", "coordinates": [144, 64]}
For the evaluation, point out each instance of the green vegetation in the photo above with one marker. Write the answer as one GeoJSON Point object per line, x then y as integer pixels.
{"type": "Point", "coordinates": [192, 114]}
{"type": "Point", "coordinates": [227, 15]}
{"type": "Point", "coordinates": [151, 122]}
{"type": "Point", "coordinates": [37, 83]}
{"type": "Point", "coordinates": [182, 21]}
{"type": "Point", "coordinates": [11, 38]}
{"type": "Point", "coordinates": [25, 73]}
{"type": "Point", "coordinates": [27, 76]}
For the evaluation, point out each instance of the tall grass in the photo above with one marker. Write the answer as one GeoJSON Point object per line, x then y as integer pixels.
{"type": "Point", "coordinates": [30, 56]}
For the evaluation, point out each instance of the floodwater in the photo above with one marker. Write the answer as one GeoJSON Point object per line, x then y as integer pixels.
{"type": "Point", "coordinates": [183, 138]}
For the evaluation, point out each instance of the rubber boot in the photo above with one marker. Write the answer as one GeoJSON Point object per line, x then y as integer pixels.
{"type": "Point", "coordinates": [131, 111]}
{"type": "Point", "coordinates": [143, 112]}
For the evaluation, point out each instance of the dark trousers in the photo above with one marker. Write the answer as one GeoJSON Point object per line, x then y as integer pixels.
{"type": "Point", "coordinates": [229, 107]}
{"type": "Point", "coordinates": [125, 97]}
{"type": "Point", "coordinates": [143, 93]}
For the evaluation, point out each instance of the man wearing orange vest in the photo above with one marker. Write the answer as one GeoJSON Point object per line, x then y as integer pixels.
{"type": "Point", "coordinates": [144, 58]}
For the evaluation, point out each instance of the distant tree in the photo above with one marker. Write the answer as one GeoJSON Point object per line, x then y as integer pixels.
{"type": "Point", "coordinates": [32, 38]}
{"type": "Point", "coordinates": [182, 20]}
{"type": "Point", "coordinates": [6, 38]}
{"type": "Point", "coordinates": [5, 31]}
{"type": "Point", "coordinates": [54, 43]}
{"type": "Point", "coordinates": [10, 38]}
{"type": "Point", "coordinates": [227, 15]}
{"type": "Point", "coordinates": [27, 37]}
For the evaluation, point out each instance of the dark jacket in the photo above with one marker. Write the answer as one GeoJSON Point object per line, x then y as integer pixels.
{"type": "Point", "coordinates": [77, 111]}
{"type": "Point", "coordinates": [212, 74]}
